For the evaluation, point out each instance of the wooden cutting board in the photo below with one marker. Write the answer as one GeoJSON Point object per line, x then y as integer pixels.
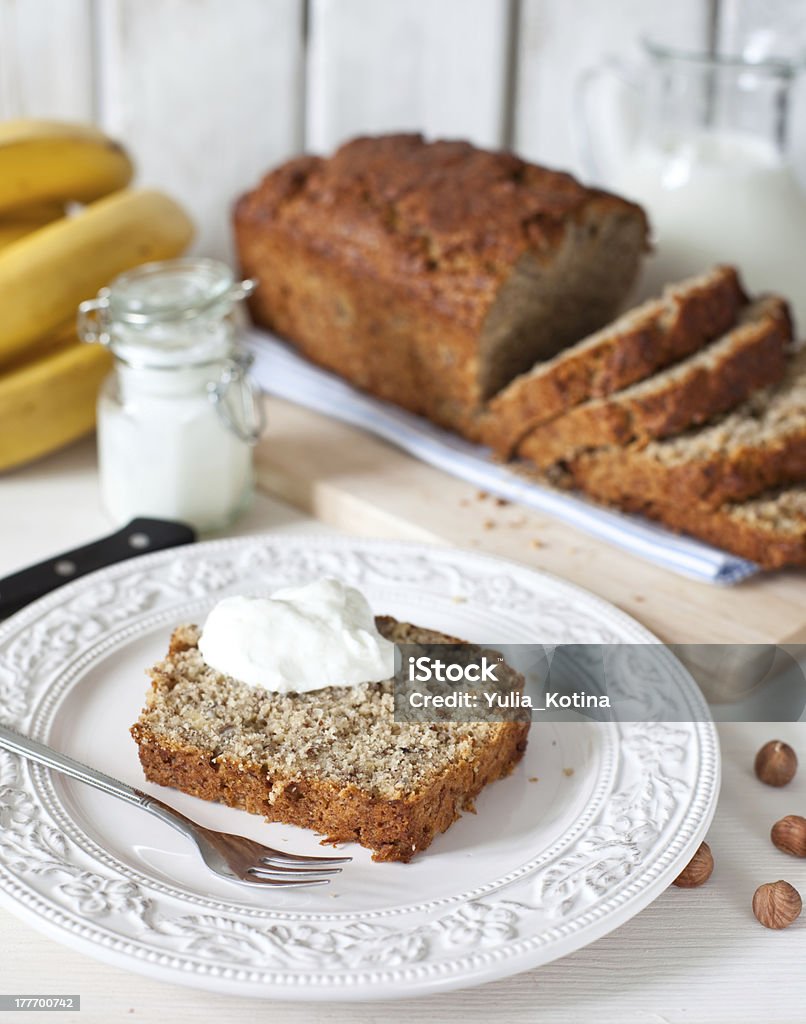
{"type": "Point", "coordinates": [354, 481]}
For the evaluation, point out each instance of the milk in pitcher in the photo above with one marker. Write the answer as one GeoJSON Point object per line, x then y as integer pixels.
{"type": "Point", "coordinates": [722, 197]}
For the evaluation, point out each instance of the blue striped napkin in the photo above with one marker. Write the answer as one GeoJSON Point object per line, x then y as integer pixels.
{"type": "Point", "coordinates": [280, 371]}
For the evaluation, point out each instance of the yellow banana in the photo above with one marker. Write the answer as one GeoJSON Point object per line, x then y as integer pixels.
{"type": "Point", "coordinates": [47, 403]}
{"type": "Point", "coordinates": [53, 341]}
{"type": "Point", "coordinates": [44, 276]}
{"type": "Point", "coordinates": [23, 221]}
{"type": "Point", "coordinates": [59, 162]}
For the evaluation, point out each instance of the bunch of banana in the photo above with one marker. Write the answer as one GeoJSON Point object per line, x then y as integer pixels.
{"type": "Point", "coordinates": [51, 259]}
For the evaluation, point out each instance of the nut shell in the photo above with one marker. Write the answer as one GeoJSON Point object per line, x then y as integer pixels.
{"type": "Point", "coordinates": [776, 763]}
{"type": "Point", "coordinates": [777, 904]}
{"type": "Point", "coordinates": [789, 835]}
{"type": "Point", "coordinates": [698, 870]}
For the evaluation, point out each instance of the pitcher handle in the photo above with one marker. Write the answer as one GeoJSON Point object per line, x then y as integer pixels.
{"type": "Point", "coordinates": [582, 121]}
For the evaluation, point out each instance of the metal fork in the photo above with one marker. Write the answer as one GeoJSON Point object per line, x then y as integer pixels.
{"type": "Point", "coordinates": [231, 857]}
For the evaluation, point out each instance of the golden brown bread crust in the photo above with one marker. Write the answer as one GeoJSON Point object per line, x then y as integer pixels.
{"type": "Point", "coordinates": [385, 261]}
{"type": "Point", "coordinates": [621, 475]}
{"type": "Point", "coordinates": [421, 215]}
{"type": "Point", "coordinates": [755, 540]}
{"type": "Point", "coordinates": [630, 349]}
{"type": "Point", "coordinates": [687, 395]}
{"type": "Point", "coordinates": [419, 359]}
{"type": "Point", "coordinates": [395, 829]}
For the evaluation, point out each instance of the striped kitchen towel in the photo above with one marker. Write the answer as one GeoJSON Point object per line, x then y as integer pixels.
{"type": "Point", "coordinates": [282, 372]}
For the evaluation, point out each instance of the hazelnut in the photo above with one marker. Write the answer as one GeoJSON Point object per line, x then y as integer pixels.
{"type": "Point", "coordinates": [789, 835]}
{"type": "Point", "coordinates": [777, 904]}
{"type": "Point", "coordinates": [698, 870]}
{"type": "Point", "coordinates": [776, 763]}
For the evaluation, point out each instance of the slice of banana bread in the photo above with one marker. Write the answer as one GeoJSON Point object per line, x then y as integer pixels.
{"type": "Point", "coordinates": [761, 445]}
{"type": "Point", "coordinates": [769, 530]}
{"type": "Point", "coordinates": [333, 760]}
{"type": "Point", "coordinates": [751, 356]}
{"type": "Point", "coordinates": [643, 340]}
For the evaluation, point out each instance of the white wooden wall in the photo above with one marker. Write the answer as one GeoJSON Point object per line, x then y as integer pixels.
{"type": "Point", "coordinates": [207, 94]}
{"type": "Point", "coordinates": [434, 65]}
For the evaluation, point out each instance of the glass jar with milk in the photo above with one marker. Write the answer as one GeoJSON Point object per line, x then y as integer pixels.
{"type": "Point", "coordinates": [178, 416]}
{"type": "Point", "coordinates": [702, 141]}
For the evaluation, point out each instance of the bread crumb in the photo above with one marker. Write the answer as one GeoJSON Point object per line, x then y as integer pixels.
{"type": "Point", "coordinates": [568, 772]}
{"type": "Point", "coordinates": [639, 599]}
{"type": "Point", "coordinates": [482, 495]}
{"type": "Point", "coordinates": [502, 502]}
{"type": "Point", "coordinates": [489, 524]}
{"type": "Point", "coordinates": [533, 778]}
{"type": "Point", "coordinates": [536, 544]}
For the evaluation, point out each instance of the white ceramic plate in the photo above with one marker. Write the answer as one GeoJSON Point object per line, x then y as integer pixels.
{"type": "Point", "coordinates": [543, 868]}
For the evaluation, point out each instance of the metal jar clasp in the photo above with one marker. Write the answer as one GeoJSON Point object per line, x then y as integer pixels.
{"type": "Point", "coordinates": [237, 401]}
{"type": "Point", "coordinates": [242, 289]}
{"type": "Point", "coordinates": [94, 322]}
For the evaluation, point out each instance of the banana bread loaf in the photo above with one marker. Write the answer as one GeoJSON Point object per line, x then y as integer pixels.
{"type": "Point", "coordinates": [751, 356]}
{"type": "Point", "coordinates": [334, 760]}
{"type": "Point", "coordinates": [640, 342]}
{"type": "Point", "coordinates": [431, 274]}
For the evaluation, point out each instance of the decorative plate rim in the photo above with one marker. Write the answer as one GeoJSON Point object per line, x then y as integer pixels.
{"type": "Point", "coordinates": [402, 967]}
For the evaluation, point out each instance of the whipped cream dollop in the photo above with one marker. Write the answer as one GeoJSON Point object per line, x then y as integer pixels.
{"type": "Point", "coordinates": [299, 639]}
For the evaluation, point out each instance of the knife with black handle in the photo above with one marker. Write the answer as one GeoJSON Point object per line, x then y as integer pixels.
{"type": "Point", "coordinates": [140, 536]}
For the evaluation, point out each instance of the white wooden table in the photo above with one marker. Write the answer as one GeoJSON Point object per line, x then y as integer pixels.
{"type": "Point", "coordinates": [690, 957]}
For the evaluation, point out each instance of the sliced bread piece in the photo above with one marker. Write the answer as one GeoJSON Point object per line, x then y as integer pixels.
{"type": "Point", "coordinates": [643, 340]}
{"type": "Point", "coordinates": [333, 760]}
{"type": "Point", "coordinates": [752, 355]}
{"type": "Point", "coordinates": [759, 446]}
{"type": "Point", "coordinates": [769, 530]}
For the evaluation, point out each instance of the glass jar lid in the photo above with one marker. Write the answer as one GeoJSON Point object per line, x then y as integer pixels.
{"type": "Point", "coordinates": [165, 314]}
{"type": "Point", "coordinates": [173, 290]}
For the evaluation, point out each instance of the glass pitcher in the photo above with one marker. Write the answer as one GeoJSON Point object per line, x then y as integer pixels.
{"type": "Point", "coordinates": [702, 142]}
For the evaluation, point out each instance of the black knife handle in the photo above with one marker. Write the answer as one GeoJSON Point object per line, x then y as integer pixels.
{"type": "Point", "coordinates": [140, 536]}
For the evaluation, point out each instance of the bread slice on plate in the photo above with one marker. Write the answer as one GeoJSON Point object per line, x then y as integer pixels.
{"type": "Point", "coordinates": [643, 340]}
{"type": "Point", "coordinates": [751, 355]}
{"type": "Point", "coordinates": [759, 446]}
{"type": "Point", "coordinates": [333, 760]}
